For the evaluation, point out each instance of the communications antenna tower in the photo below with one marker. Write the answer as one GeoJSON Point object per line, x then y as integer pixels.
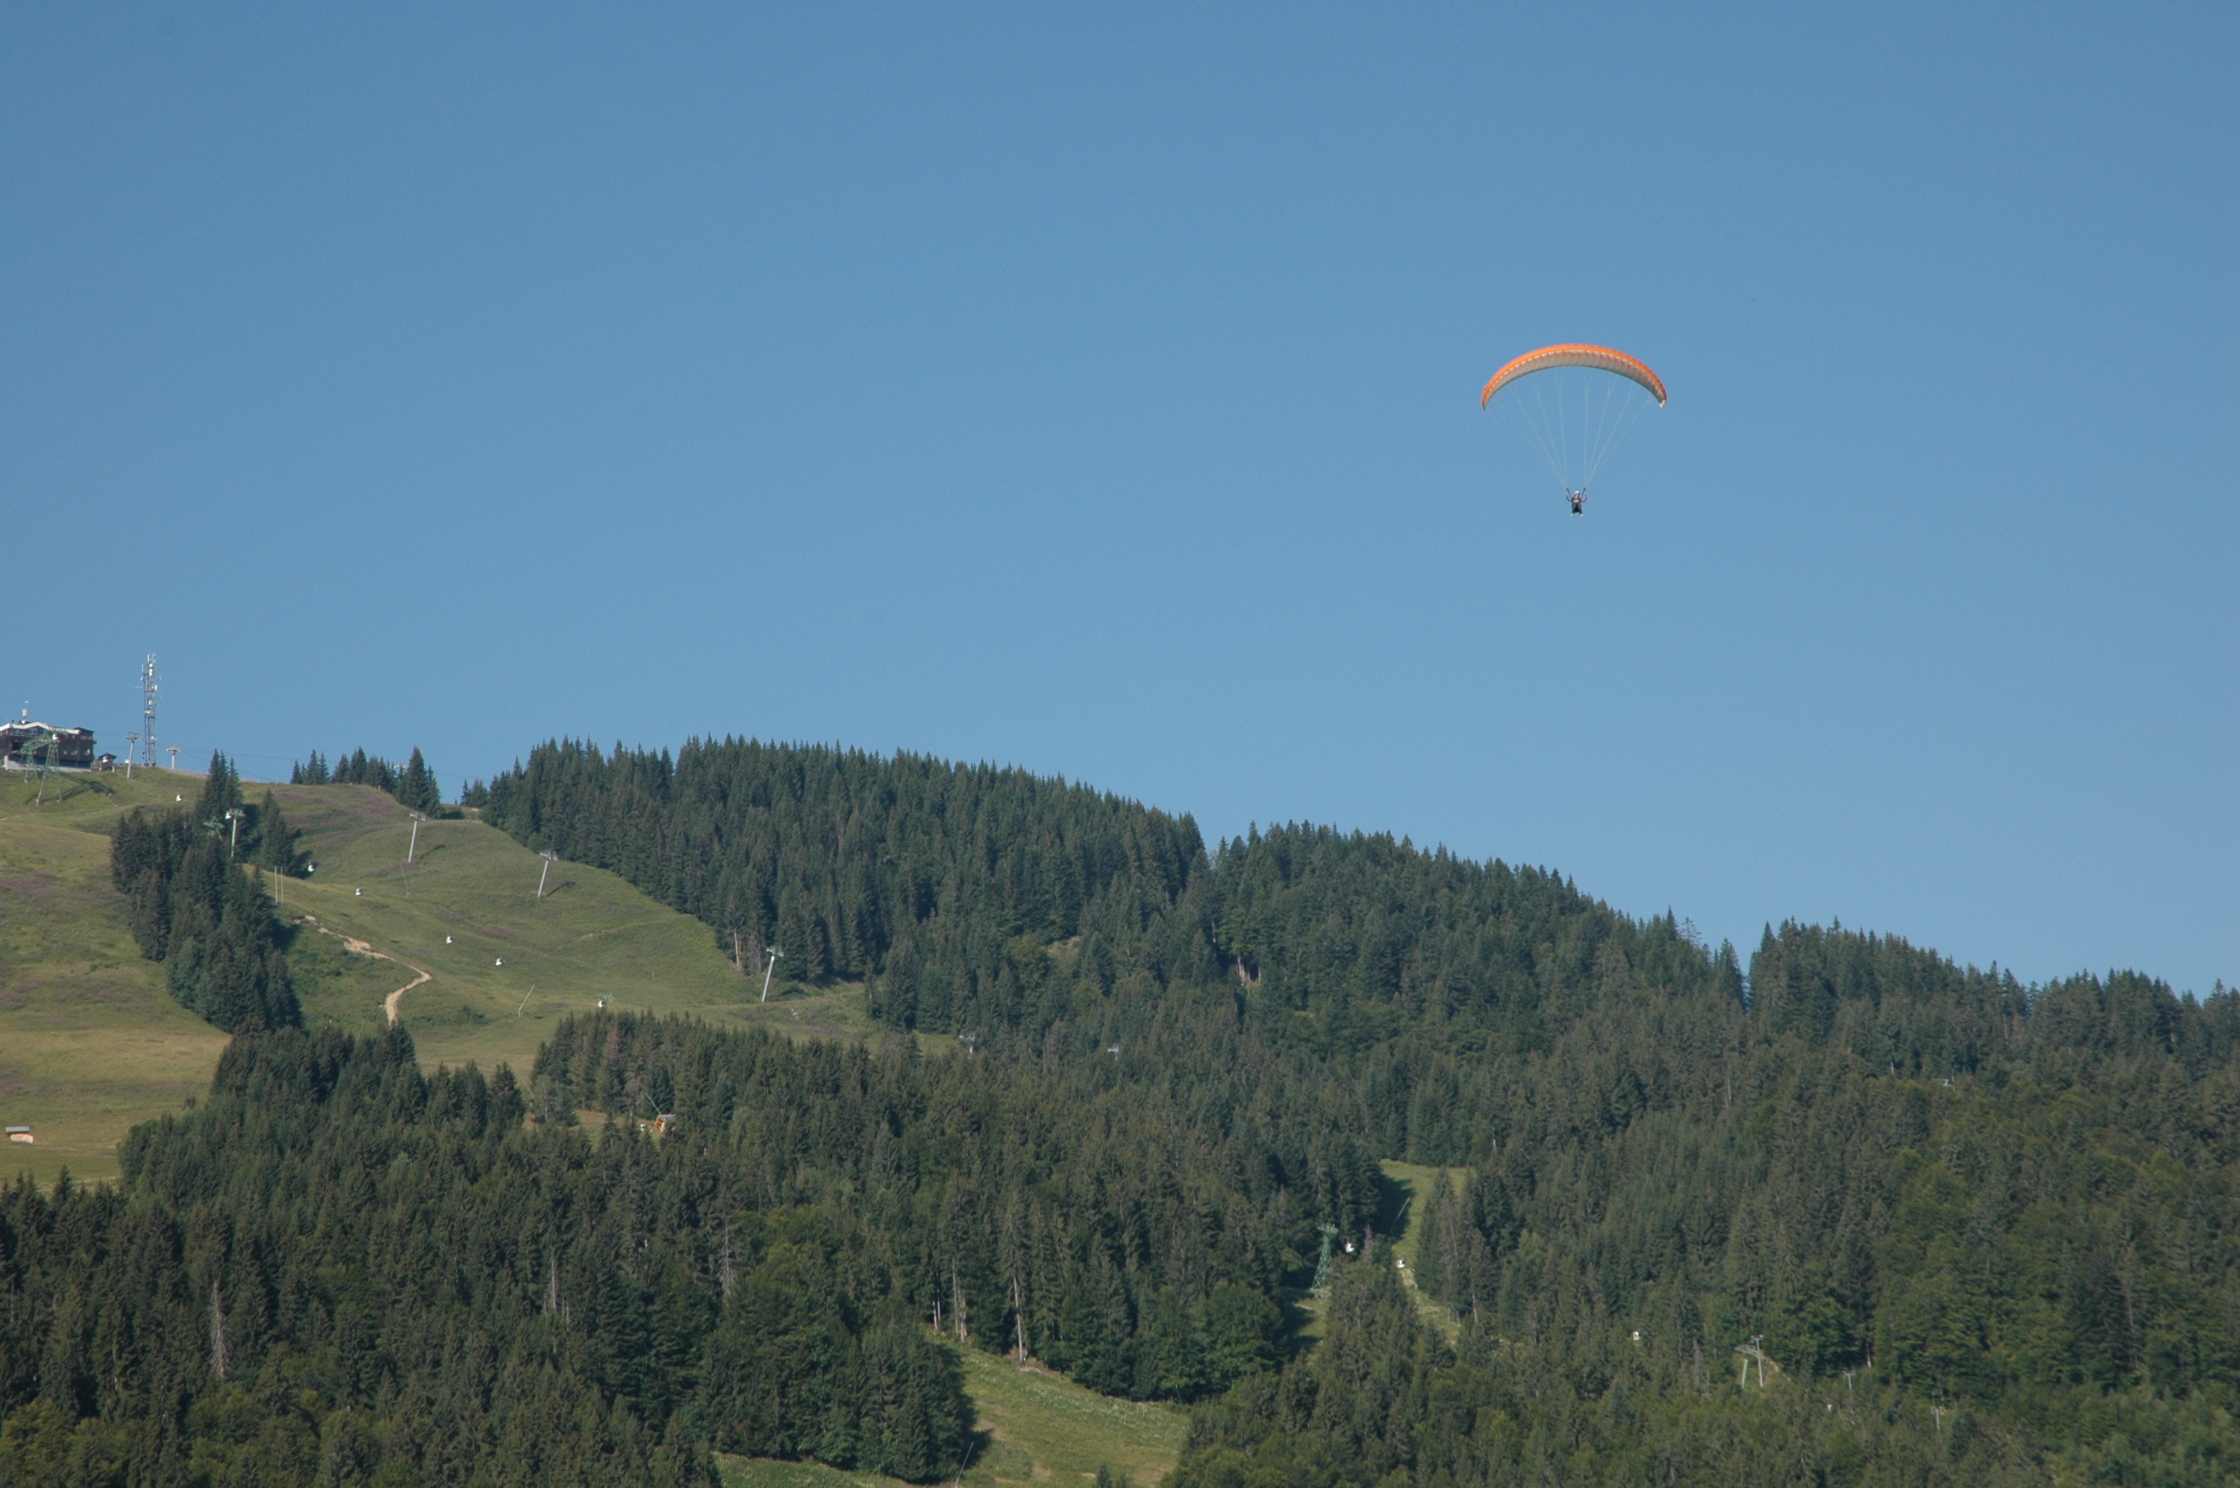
{"type": "Point", "coordinates": [148, 712]}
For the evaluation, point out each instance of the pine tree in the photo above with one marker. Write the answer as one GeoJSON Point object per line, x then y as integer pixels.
{"type": "Point", "coordinates": [276, 840]}
{"type": "Point", "coordinates": [221, 792]}
{"type": "Point", "coordinates": [417, 788]}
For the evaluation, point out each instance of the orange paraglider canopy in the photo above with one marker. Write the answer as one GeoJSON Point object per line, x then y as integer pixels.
{"type": "Point", "coordinates": [1601, 358]}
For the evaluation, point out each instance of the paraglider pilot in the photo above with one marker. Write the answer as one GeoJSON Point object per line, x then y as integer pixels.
{"type": "Point", "coordinates": [1578, 500]}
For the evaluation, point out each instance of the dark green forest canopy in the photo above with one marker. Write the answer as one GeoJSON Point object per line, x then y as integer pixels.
{"type": "Point", "coordinates": [1020, 908]}
{"type": "Point", "coordinates": [338, 1249]}
{"type": "Point", "coordinates": [970, 897]}
{"type": "Point", "coordinates": [1981, 1231]}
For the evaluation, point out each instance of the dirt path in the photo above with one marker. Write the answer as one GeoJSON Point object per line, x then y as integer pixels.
{"type": "Point", "coordinates": [358, 947]}
{"type": "Point", "coordinates": [389, 1003]}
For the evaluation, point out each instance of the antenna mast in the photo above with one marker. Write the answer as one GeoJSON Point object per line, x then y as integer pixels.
{"type": "Point", "coordinates": [148, 712]}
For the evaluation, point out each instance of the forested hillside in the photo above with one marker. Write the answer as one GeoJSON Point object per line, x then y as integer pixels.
{"type": "Point", "coordinates": [1976, 1231]}
{"type": "Point", "coordinates": [941, 882]}
{"type": "Point", "coordinates": [338, 1263]}
{"type": "Point", "coordinates": [1814, 1162]}
{"type": "Point", "coordinates": [2017, 1258]}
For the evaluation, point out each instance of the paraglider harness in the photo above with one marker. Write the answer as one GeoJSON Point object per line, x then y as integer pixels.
{"type": "Point", "coordinates": [1578, 500]}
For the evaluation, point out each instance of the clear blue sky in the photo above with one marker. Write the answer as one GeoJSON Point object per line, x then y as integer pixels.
{"type": "Point", "coordinates": [1094, 389]}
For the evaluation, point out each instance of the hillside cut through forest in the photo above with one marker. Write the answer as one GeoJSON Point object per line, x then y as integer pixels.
{"type": "Point", "coordinates": [1849, 1214]}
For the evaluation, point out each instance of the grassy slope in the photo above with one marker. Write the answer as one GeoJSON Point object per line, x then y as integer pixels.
{"type": "Point", "coordinates": [1033, 1426]}
{"type": "Point", "coordinates": [90, 1041]}
{"type": "Point", "coordinates": [1414, 1184]}
{"type": "Point", "coordinates": [470, 901]}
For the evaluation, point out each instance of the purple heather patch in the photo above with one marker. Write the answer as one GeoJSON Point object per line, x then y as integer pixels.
{"type": "Point", "coordinates": [28, 888]}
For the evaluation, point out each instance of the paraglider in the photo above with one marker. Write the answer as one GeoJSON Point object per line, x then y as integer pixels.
{"type": "Point", "coordinates": [1572, 405]}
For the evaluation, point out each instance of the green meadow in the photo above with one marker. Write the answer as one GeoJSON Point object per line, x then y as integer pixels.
{"type": "Point", "coordinates": [91, 1042]}
{"type": "Point", "coordinates": [1033, 1426]}
{"type": "Point", "coordinates": [502, 962]}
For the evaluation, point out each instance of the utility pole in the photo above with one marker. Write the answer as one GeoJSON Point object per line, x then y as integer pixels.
{"type": "Point", "coordinates": [550, 857]}
{"type": "Point", "coordinates": [234, 815]}
{"type": "Point", "coordinates": [410, 848]}
{"type": "Point", "coordinates": [173, 751]}
{"type": "Point", "coordinates": [131, 748]}
{"type": "Point", "coordinates": [775, 953]}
